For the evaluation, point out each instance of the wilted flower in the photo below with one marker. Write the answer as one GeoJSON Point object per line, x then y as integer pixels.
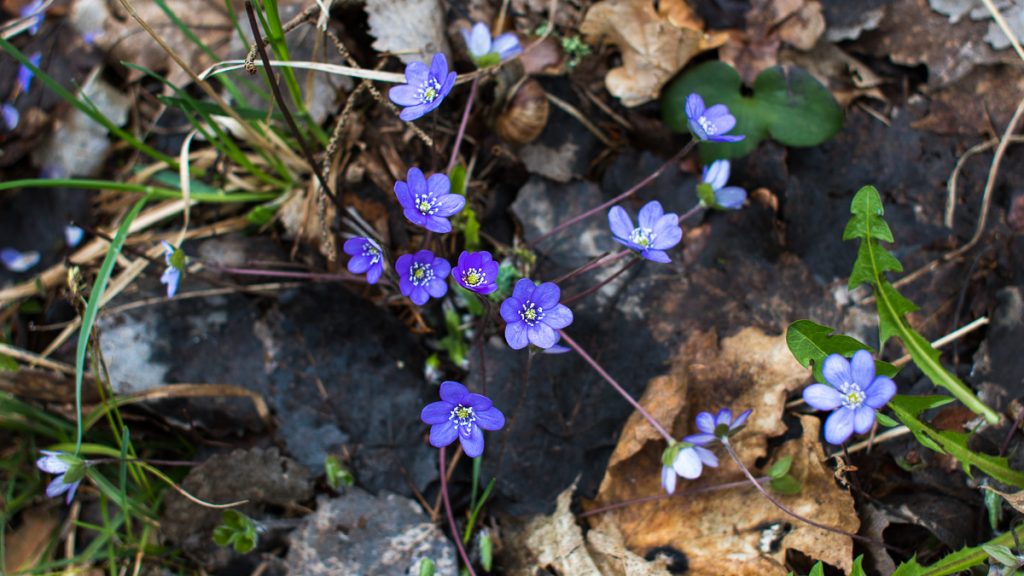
{"type": "Point", "coordinates": [366, 257]}
{"type": "Point", "coordinates": [70, 470]}
{"type": "Point", "coordinates": [656, 233]}
{"type": "Point", "coordinates": [713, 191]}
{"type": "Point", "coordinates": [424, 89]}
{"type": "Point", "coordinates": [476, 272]}
{"type": "Point", "coordinates": [33, 10]}
{"type": "Point", "coordinates": [463, 415]}
{"type": "Point", "coordinates": [421, 276]}
{"type": "Point", "coordinates": [686, 459]}
{"type": "Point", "coordinates": [176, 262]}
{"type": "Point", "coordinates": [426, 201]}
{"type": "Point", "coordinates": [855, 394]}
{"type": "Point", "coordinates": [487, 52]}
{"type": "Point", "coordinates": [718, 427]}
{"type": "Point", "coordinates": [17, 261]}
{"type": "Point", "coordinates": [25, 74]}
{"type": "Point", "coordinates": [10, 115]}
{"type": "Point", "coordinates": [533, 315]}
{"type": "Point", "coordinates": [711, 124]}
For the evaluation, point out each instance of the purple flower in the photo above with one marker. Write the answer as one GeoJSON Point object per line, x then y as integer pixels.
{"type": "Point", "coordinates": [426, 201]}
{"type": "Point", "coordinates": [476, 272]}
{"type": "Point", "coordinates": [487, 52]}
{"type": "Point", "coordinates": [61, 463]}
{"type": "Point", "coordinates": [25, 74]}
{"type": "Point", "coordinates": [855, 394]}
{"type": "Point", "coordinates": [711, 124]}
{"type": "Point", "coordinates": [656, 233]}
{"type": "Point", "coordinates": [686, 459]}
{"type": "Point", "coordinates": [73, 235]}
{"type": "Point", "coordinates": [176, 260]}
{"type": "Point", "coordinates": [533, 315]}
{"type": "Point", "coordinates": [10, 115]}
{"type": "Point", "coordinates": [421, 276]}
{"type": "Point", "coordinates": [718, 427]}
{"type": "Point", "coordinates": [721, 197]}
{"type": "Point", "coordinates": [17, 261]}
{"type": "Point", "coordinates": [463, 415]}
{"type": "Point", "coordinates": [33, 10]}
{"type": "Point", "coordinates": [366, 257]}
{"type": "Point", "coordinates": [424, 88]}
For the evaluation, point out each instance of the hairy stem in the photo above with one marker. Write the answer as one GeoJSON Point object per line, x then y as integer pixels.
{"type": "Point", "coordinates": [462, 125]}
{"type": "Point", "coordinates": [577, 297]}
{"type": "Point", "coordinates": [451, 517]}
{"type": "Point", "coordinates": [656, 497]}
{"type": "Point", "coordinates": [595, 263]}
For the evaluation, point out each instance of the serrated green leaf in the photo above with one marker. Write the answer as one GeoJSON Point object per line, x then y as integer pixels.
{"type": "Point", "coordinates": [1001, 554]}
{"type": "Point", "coordinates": [811, 343]}
{"type": "Point", "coordinates": [781, 467]}
{"type": "Point", "coordinates": [959, 561]}
{"type": "Point", "coordinates": [915, 405]}
{"type": "Point", "coordinates": [872, 264]}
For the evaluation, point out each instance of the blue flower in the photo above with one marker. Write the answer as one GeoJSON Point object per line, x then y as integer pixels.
{"type": "Point", "coordinates": [25, 74]}
{"type": "Point", "coordinates": [426, 201]}
{"type": "Point", "coordinates": [718, 427]}
{"type": "Point", "coordinates": [711, 124]}
{"type": "Point", "coordinates": [17, 261]}
{"type": "Point", "coordinates": [73, 235]}
{"type": "Point", "coordinates": [424, 89]}
{"type": "Point", "coordinates": [855, 393]}
{"type": "Point", "coordinates": [463, 415]}
{"type": "Point", "coordinates": [487, 52]}
{"type": "Point", "coordinates": [176, 262]}
{"type": "Point", "coordinates": [33, 10]}
{"type": "Point", "coordinates": [656, 233]}
{"type": "Point", "coordinates": [422, 276]}
{"type": "Point", "coordinates": [713, 191]}
{"type": "Point", "coordinates": [687, 459]}
{"type": "Point", "coordinates": [476, 272]}
{"type": "Point", "coordinates": [10, 115]}
{"type": "Point", "coordinates": [366, 257]}
{"type": "Point", "coordinates": [533, 315]}
{"type": "Point", "coordinates": [70, 471]}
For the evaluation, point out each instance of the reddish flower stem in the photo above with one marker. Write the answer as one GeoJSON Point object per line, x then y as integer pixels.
{"type": "Point", "coordinates": [338, 277]}
{"type": "Point", "coordinates": [697, 208]}
{"type": "Point", "coordinates": [577, 297]}
{"type": "Point", "coordinates": [462, 125]}
{"type": "Point", "coordinates": [656, 497]}
{"type": "Point", "coordinates": [636, 187]}
{"type": "Point", "coordinates": [451, 517]}
{"type": "Point", "coordinates": [595, 263]}
{"type": "Point", "coordinates": [622, 392]}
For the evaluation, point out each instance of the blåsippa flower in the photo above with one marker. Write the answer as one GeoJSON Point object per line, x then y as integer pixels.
{"type": "Point", "coordinates": [718, 427]}
{"type": "Point", "coordinates": [476, 272]}
{"type": "Point", "coordinates": [426, 201]}
{"type": "Point", "coordinates": [424, 88]}
{"type": "Point", "coordinates": [25, 74]}
{"type": "Point", "coordinates": [711, 124]}
{"type": "Point", "coordinates": [70, 470]}
{"type": "Point", "coordinates": [463, 415]}
{"type": "Point", "coordinates": [714, 193]}
{"type": "Point", "coordinates": [855, 394]}
{"type": "Point", "coordinates": [487, 52]}
{"type": "Point", "coordinates": [656, 232]}
{"type": "Point", "coordinates": [366, 257]}
{"type": "Point", "coordinates": [421, 276]}
{"type": "Point", "coordinates": [10, 115]}
{"type": "Point", "coordinates": [686, 459]}
{"type": "Point", "coordinates": [18, 261]}
{"type": "Point", "coordinates": [533, 315]}
{"type": "Point", "coordinates": [176, 262]}
{"type": "Point", "coordinates": [33, 10]}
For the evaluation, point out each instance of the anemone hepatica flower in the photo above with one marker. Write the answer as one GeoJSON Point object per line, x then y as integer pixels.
{"type": "Point", "coordinates": [366, 257]}
{"type": "Point", "coordinates": [424, 88]}
{"type": "Point", "coordinates": [656, 232]}
{"type": "Point", "coordinates": [855, 393]}
{"type": "Point", "coordinates": [17, 261]}
{"type": "Point", "coordinates": [34, 11]}
{"type": "Point", "coordinates": [422, 276]}
{"type": "Point", "coordinates": [176, 262]}
{"type": "Point", "coordinates": [25, 74]}
{"type": "Point", "coordinates": [533, 315]}
{"type": "Point", "coordinates": [476, 272]}
{"type": "Point", "coordinates": [69, 470]}
{"type": "Point", "coordinates": [687, 459]}
{"type": "Point", "coordinates": [426, 201]}
{"type": "Point", "coordinates": [713, 191]}
{"type": "Point", "coordinates": [711, 124]}
{"type": "Point", "coordinates": [718, 427]}
{"type": "Point", "coordinates": [463, 415]}
{"type": "Point", "coordinates": [10, 115]}
{"type": "Point", "coordinates": [487, 52]}
{"type": "Point", "coordinates": [73, 235]}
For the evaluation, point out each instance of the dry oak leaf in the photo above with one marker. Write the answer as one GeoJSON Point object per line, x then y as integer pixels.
{"type": "Point", "coordinates": [655, 45]}
{"type": "Point", "coordinates": [724, 532]}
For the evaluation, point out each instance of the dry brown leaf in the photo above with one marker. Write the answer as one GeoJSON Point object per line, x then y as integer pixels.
{"type": "Point", "coordinates": [1016, 499]}
{"type": "Point", "coordinates": [721, 532]}
{"type": "Point", "coordinates": [27, 544]}
{"type": "Point", "coordinates": [655, 45]}
{"type": "Point", "coordinates": [845, 76]}
{"type": "Point", "coordinates": [799, 23]}
{"type": "Point", "coordinates": [412, 28]}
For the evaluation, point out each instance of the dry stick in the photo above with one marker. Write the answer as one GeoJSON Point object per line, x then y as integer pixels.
{"type": "Point", "coordinates": [276, 90]}
{"type": "Point", "coordinates": [451, 517]}
{"type": "Point", "coordinates": [650, 178]}
{"type": "Point", "coordinates": [622, 392]}
{"type": "Point", "coordinates": [951, 185]}
{"type": "Point", "coordinates": [462, 125]}
{"type": "Point", "coordinates": [656, 497]}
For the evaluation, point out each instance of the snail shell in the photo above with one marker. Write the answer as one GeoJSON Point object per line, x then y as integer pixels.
{"type": "Point", "coordinates": [525, 115]}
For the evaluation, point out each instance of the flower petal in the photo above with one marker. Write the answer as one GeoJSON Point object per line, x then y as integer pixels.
{"type": "Point", "coordinates": [619, 222]}
{"type": "Point", "coordinates": [863, 419]}
{"type": "Point", "coordinates": [419, 295]}
{"type": "Point", "coordinates": [706, 422]}
{"type": "Point", "coordinates": [437, 287]}
{"type": "Point", "coordinates": [862, 368]}
{"type": "Point", "coordinates": [741, 419]}
{"type": "Point", "coordinates": [694, 105]}
{"type": "Point", "coordinates": [416, 73]}
{"type": "Point", "coordinates": [374, 273]}
{"type": "Point", "coordinates": [882, 390]}
{"type": "Point", "coordinates": [667, 232]}
{"type": "Point", "coordinates": [707, 457]}
{"type": "Point", "coordinates": [839, 426]}
{"type": "Point", "coordinates": [71, 492]}
{"type": "Point", "coordinates": [52, 464]}
{"type": "Point", "coordinates": [403, 194]}
{"type": "Point", "coordinates": [359, 264]}
{"type": "Point", "coordinates": [57, 487]}
{"type": "Point", "coordinates": [723, 418]}
{"type": "Point", "coordinates": [822, 397]}
{"type": "Point", "coordinates": [653, 255]}
{"type": "Point", "coordinates": [506, 45]}
{"type": "Point", "coordinates": [515, 335]}
{"type": "Point", "coordinates": [687, 464]}
{"type": "Point", "coordinates": [479, 40]}
{"type": "Point", "coordinates": [453, 392]}
{"type": "Point", "coordinates": [439, 185]}
{"type": "Point", "coordinates": [436, 412]}
{"type": "Point", "coordinates": [836, 370]}
{"type": "Point", "coordinates": [649, 214]}
{"type": "Point", "coordinates": [731, 197]}
{"type": "Point", "coordinates": [473, 444]}
{"type": "Point", "coordinates": [450, 204]}
{"type": "Point", "coordinates": [439, 66]}
{"type": "Point", "coordinates": [727, 138]}
{"type": "Point", "coordinates": [354, 246]}
{"type": "Point", "coordinates": [558, 317]}
{"type": "Point", "coordinates": [542, 336]}
{"type": "Point", "coordinates": [668, 479]}
{"type": "Point", "coordinates": [403, 264]}
{"type": "Point", "coordinates": [717, 174]}
{"type": "Point", "coordinates": [478, 402]}
{"type": "Point", "coordinates": [523, 290]}
{"type": "Point", "coordinates": [701, 439]}
{"type": "Point", "coordinates": [546, 295]}
{"type": "Point", "coordinates": [404, 95]}
{"type": "Point", "coordinates": [437, 224]}
{"type": "Point", "coordinates": [415, 112]}
{"type": "Point", "coordinates": [491, 419]}
{"type": "Point", "coordinates": [510, 309]}
{"type": "Point", "coordinates": [442, 435]}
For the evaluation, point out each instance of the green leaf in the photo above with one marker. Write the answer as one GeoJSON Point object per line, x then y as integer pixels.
{"type": "Point", "coordinates": [858, 569]}
{"type": "Point", "coordinates": [811, 343]}
{"type": "Point", "coordinates": [1001, 554]}
{"type": "Point", "coordinates": [337, 474]}
{"type": "Point", "coordinates": [872, 264]}
{"type": "Point", "coordinates": [788, 105]}
{"type": "Point", "coordinates": [780, 468]}
{"type": "Point", "coordinates": [261, 215]}
{"type": "Point", "coordinates": [457, 177]}
{"type": "Point", "coordinates": [818, 570]}
{"type": "Point", "coordinates": [916, 405]}
{"type": "Point", "coordinates": [8, 364]}
{"type": "Point", "coordinates": [786, 485]}
{"type": "Point", "coordinates": [959, 561]}
{"type": "Point", "coordinates": [245, 543]}
{"type": "Point", "coordinates": [427, 567]}
{"type": "Point", "coordinates": [486, 551]}
{"type": "Point", "coordinates": [886, 420]}
{"type": "Point", "coordinates": [222, 535]}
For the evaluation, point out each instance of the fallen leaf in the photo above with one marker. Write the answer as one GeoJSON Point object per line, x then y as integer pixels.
{"type": "Point", "coordinates": [655, 45]}
{"type": "Point", "coordinates": [846, 77]}
{"type": "Point", "coordinates": [724, 532]}
{"type": "Point", "coordinates": [26, 544]}
{"type": "Point", "coordinates": [993, 93]}
{"type": "Point", "coordinates": [770, 23]}
{"type": "Point", "coordinates": [1016, 499]}
{"type": "Point", "coordinates": [413, 29]}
